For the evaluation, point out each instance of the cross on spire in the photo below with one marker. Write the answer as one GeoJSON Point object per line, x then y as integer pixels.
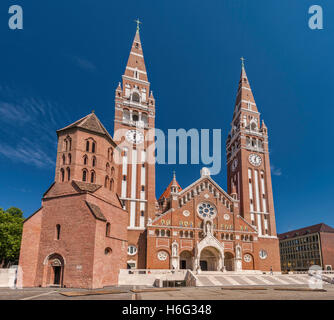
{"type": "Point", "coordinates": [138, 24]}
{"type": "Point", "coordinates": [242, 61]}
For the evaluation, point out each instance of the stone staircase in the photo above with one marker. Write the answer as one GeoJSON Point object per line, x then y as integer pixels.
{"type": "Point", "coordinates": [221, 279]}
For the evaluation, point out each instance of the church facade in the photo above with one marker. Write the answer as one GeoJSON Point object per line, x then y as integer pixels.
{"type": "Point", "coordinates": [101, 215]}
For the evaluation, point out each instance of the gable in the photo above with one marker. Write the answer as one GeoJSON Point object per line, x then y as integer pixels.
{"type": "Point", "coordinates": [207, 188]}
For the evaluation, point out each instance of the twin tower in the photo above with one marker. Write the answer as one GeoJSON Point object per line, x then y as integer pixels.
{"type": "Point", "coordinates": [101, 213]}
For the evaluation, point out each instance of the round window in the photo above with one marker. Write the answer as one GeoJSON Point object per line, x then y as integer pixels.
{"type": "Point", "coordinates": [206, 210]}
{"type": "Point", "coordinates": [132, 250]}
{"type": "Point", "coordinates": [186, 213]}
{"type": "Point", "coordinates": [263, 254]}
{"type": "Point", "coordinates": [162, 255]}
{"type": "Point", "coordinates": [247, 258]}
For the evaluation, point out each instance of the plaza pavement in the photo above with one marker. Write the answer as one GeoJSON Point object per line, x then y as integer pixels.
{"type": "Point", "coordinates": [186, 293]}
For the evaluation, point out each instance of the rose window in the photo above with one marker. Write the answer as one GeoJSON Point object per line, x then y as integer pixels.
{"type": "Point", "coordinates": [162, 255]}
{"type": "Point", "coordinates": [206, 210]}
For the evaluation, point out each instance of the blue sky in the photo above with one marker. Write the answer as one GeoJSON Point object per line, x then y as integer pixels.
{"type": "Point", "coordinates": [70, 57]}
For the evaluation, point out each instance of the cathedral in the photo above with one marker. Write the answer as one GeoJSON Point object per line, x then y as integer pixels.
{"type": "Point", "coordinates": [101, 213]}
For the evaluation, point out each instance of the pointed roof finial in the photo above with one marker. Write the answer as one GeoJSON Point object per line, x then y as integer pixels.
{"type": "Point", "coordinates": [93, 111]}
{"type": "Point", "coordinates": [138, 24]}
{"type": "Point", "coordinates": [242, 62]}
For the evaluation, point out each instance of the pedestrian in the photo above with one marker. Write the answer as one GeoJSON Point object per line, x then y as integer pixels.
{"type": "Point", "coordinates": [271, 270]}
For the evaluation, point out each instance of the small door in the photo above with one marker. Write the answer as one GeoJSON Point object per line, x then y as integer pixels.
{"type": "Point", "coordinates": [57, 272]}
{"type": "Point", "coordinates": [204, 265]}
{"type": "Point", "coordinates": [183, 264]}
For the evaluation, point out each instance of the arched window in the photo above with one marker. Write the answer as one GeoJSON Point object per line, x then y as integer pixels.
{"type": "Point", "coordinates": [112, 171]}
{"type": "Point", "coordinates": [168, 233]}
{"type": "Point", "coordinates": [157, 232]}
{"type": "Point", "coordinates": [87, 146]}
{"type": "Point", "coordinates": [84, 175]}
{"type": "Point", "coordinates": [112, 184]}
{"type": "Point", "coordinates": [144, 118]}
{"type": "Point", "coordinates": [106, 182]}
{"type": "Point", "coordinates": [135, 97]}
{"type": "Point", "coordinates": [253, 126]}
{"type": "Point", "coordinates": [66, 145]}
{"type": "Point", "coordinates": [68, 171]}
{"type": "Point", "coordinates": [107, 167]}
{"type": "Point", "coordinates": [94, 161]}
{"type": "Point", "coordinates": [108, 230]}
{"type": "Point", "coordinates": [85, 159]}
{"type": "Point", "coordinates": [126, 115]}
{"type": "Point", "coordinates": [62, 175]}
{"type": "Point", "coordinates": [93, 147]}
{"type": "Point", "coordinates": [135, 116]}
{"type": "Point", "coordinates": [111, 154]}
{"type": "Point", "coordinates": [92, 177]}
{"type": "Point", "coordinates": [64, 159]}
{"type": "Point", "coordinates": [162, 233]}
{"type": "Point", "coordinates": [69, 158]}
{"type": "Point", "coordinates": [58, 231]}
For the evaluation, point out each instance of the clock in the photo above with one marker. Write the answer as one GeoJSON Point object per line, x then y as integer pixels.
{"type": "Point", "coordinates": [134, 136]}
{"type": "Point", "coordinates": [234, 164]}
{"type": "Point", "coordinates": [254, 159]}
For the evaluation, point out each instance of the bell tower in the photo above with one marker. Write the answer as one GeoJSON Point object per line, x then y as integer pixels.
{"type": "Point", "coordinates": [248, 165]}
{"type": "Point", "coordinates": [133, 131]}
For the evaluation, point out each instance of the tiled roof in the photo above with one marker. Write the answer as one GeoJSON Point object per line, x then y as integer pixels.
{"type": "Point", "coordinates": [85, 186]}
{"type": "Point", "coordinates": [321, 227]}
{"type": "Point", "coordinates": [166, 193]}
{"type": "Point", "coordinates": [96, 211]}
{"type": "Point", "coordinates": [91, 123]}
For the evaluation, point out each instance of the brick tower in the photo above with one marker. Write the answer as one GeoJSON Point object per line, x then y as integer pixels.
{"type": "Point", "coordinates": [134, 127]}
{"type": "Point", "coordinates": [248, 166]}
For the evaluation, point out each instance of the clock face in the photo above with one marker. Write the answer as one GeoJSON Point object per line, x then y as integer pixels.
{"type": "Point", "coordinates": [134, 136]}
{"type": "Point", "coordinates": [234, 164]}
{"type": "Point", "coordinates": [254, 159]}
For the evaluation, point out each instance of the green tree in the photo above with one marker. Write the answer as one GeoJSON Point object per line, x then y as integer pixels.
{"type": "Point", "coordinates": [11, 225]}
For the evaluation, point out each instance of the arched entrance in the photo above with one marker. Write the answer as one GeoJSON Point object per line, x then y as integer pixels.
{"type": "Point", "coordinates": [209, 260]}
{"type": "Point", "coordinates": [55, 270]}
{"type": "Point", "coordinates": [186, 260]}
{"type": "Point", "coordinates": [228, 261]}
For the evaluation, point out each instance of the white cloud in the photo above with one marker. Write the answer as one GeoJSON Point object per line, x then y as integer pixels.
{"type": "Point", "coordinates": [275, 171]}
{"type": "Point", "coordinates": [84, 64]}
{"type": "Point", "coordinates": [27, 128]}
{"type": "Point", "coordinates": [27, 152]}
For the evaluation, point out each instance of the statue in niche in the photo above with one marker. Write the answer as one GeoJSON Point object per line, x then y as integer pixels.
{"type": "Point", "coordinates": [238, 252]}
{"type": "Point", "coordinates": [174, 249]}
{"type": "Point", "coordinates": [208, 228]}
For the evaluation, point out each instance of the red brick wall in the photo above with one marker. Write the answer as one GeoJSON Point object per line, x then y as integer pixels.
{"type": "Point", "coordinates": [327, 245]}
{"type": "Point", "coordinates": [30, 247]}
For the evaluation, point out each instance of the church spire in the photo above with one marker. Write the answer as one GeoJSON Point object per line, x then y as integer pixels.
{"type": "Point", "coordinates": [135, 68]}
{"type": "Point", "coordinates": [245, 99]}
